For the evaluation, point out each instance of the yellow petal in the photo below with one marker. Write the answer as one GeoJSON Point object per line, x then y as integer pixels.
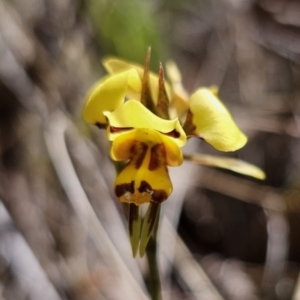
{"type": "Point", "coordinates": [107, 95]}
{"type": "Point", "coordinates": [235, 165]}
{"type": "Point", "coordinates": [173, 152]}
{"type": "Point", "coordinates": [114, 66]}
{"type": "Point", "coordinates": [211, 121]}
{"type": "Point", "coordinates": [133, 143]}
{"type": "Point", "coordinates": [138, 183]}
{"type": "Point", "coordinates": [121, 148]}
{"type": "Point", "coordinates": [132, 114]}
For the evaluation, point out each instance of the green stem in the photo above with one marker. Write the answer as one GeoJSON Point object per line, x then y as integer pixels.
{"type": "Point", "coordinates": [151, 252]}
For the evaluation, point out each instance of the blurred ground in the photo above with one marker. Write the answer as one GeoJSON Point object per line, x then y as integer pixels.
{"type": "Point", "coordinates": [62, 232]}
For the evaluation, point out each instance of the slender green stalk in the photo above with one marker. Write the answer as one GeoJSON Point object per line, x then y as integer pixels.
{"type": "Point", "coordinates": [151, 252]}
{"type": "Point", "coordinates": [135, 224]}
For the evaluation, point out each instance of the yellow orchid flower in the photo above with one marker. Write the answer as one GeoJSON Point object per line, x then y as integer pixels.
{"type": "Point", "coordinates": [149, 145]}
{"type": "Point", "coordinates": [133, 105]}
{"type": "Point", "coordinates": [206, 116]}
{"type": "Point", "coordinates": [149, 142]}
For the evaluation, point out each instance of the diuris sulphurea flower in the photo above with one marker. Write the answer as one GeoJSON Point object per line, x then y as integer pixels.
{"type": "Point", "coordinates": [149, 148]}
{"type": "Point", "coordinates": [134, 106]}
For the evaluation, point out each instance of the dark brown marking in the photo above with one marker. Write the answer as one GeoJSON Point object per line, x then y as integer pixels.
{"type": "Point", "coordinates": [138, 153]}
{"type": "Point", "coordinates": [145, 187]}
{"type": "Point", "coordinates": [158, 157]}
{"type": "Point", "coordinates": [174, 133]}
{"type": "Point", "coordinates": [100, 125]}
{"type": "Point", "coordinates": [118, 129]}
{"type": "Point", "coordinates": [158, 196]}
{"type": "Point", "coordinates": [121, 189]}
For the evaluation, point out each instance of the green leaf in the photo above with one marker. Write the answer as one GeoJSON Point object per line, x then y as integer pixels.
{"type": "Point", "coordinates": [135, 225]}
{"type": "Point", "coordinates": [149, 222]}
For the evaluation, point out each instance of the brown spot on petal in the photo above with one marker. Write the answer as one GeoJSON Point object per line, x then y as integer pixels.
{"type": "Point", "coordinates": [174, 133]}
{"type": "Point", "coordinates": [121, 189]}
{"type": "Point", "coordinates": [118, 129]}
{"type": "Point", "coordinates": [157, 196]}
{"type": "Point", "coordinates": [158, 157]}
{"type": "Point", "coordinates": [100, 125]}
{"type": "Point", "coordinates": [145, 187]}
{"type": "Point", "coordinates": [138, 153]}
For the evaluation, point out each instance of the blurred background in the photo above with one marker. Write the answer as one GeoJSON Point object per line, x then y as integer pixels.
{"type": "Point", "coordinates": [222, 236]}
